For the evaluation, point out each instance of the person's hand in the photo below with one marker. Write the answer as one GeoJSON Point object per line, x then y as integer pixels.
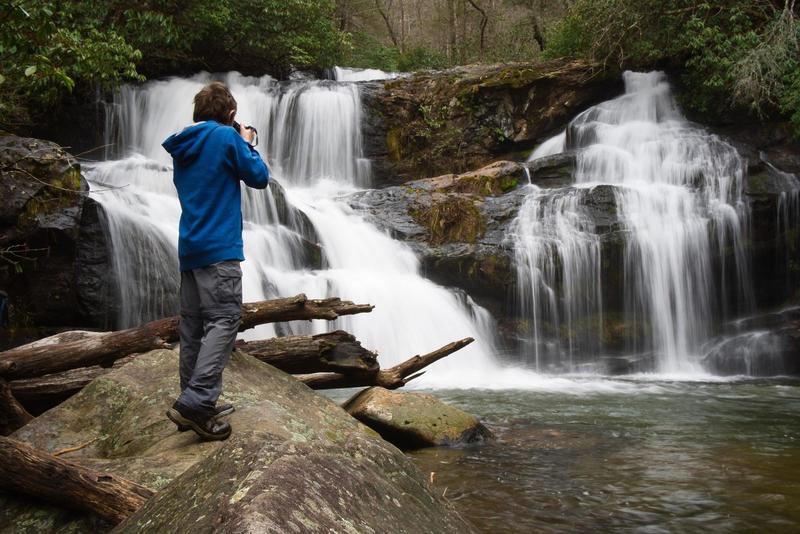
{"type": "Point", "coordinates": [246, 133]}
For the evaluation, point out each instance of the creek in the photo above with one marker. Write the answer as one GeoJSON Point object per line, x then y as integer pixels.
{"type": "Point", "coordinates": [669, 447]}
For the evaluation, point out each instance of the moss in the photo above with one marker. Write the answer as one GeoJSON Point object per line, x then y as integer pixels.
{"type": "Point", "coordinates": [454, 219]}
{"type": "Point", "coordinates": [393, 143]}
{"type": "Point", "coordinates": [514, 76]}
{"type": "Point", "coordinates": [759, 184]}
{"type": "Point", "coordinates": [51, 199]}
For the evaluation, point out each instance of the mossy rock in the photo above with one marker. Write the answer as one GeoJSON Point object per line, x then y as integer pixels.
{"type": "Point", "coordinates": [415, 420]}
{"type": "Point", "coordinates": [296, 462]}
{"type": "Point", "coordinates": [451, 219]}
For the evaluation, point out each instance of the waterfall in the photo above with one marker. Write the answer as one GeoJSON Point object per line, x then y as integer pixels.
{"type": "Point", "coordinates": [678, 199]}
{"type": "Point", "coordinates": [310, 135]}
{"type": "Point", "coordinates": [344, 74]}
{"type": "Point", "coordinates": [558, 261]}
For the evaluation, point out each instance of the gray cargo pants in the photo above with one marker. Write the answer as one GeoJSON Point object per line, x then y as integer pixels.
{"type": "Point", "coordinates": [211, 311]}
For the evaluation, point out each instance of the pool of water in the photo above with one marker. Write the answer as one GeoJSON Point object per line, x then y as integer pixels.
{"type": "Point", "coordinates": [627, 455]}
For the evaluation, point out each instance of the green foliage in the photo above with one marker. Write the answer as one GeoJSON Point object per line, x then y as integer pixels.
{"type": "Point", "coordinates": [790, 98]}
{"type": "Point", "coordinates": [733, 54]}
{"type": "Point", "coordinates": [367, 52]}
{"type": "Point", "coordinates": [45, 53]}
{"type": "Point", "coordinates": [49, 48]}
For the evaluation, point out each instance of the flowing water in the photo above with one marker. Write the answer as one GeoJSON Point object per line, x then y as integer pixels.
{"type": "Point", "coordinates": [677, 194]}
{"type": "Point", "coordinates": [588, 455]}
{"type": "Point", "coordinates": [310, 134]}
{"type": "Point", "coordinates": [575, 452]}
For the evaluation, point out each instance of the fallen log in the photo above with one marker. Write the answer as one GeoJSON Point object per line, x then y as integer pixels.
{"type": "Point", "coordinates": [335, 351]}
{"type": "Point", "coordinates": [37, 474]}
{"type": "Point", "coordinates": [40, 394]}
{"type": "Point", "coordinates": [391, 378]}
{"type": "Point", "coordinates": [12, 414]}
{"type": "Point", "coordinates": [71, 350]}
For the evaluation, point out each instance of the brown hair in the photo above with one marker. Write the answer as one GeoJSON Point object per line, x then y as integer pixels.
{"type": "Point", "coordinates": [214, 102]}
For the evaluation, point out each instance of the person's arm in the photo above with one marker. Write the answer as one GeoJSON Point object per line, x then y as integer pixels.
{"type": "Point", "coordinates": [250, 168]}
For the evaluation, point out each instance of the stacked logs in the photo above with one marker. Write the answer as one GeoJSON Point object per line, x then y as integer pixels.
{"type": "Point", "coordinates": [40, 375]}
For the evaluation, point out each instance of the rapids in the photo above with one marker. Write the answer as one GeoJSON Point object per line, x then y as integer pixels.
{"type": "Point", "coordinates": [310, 135]}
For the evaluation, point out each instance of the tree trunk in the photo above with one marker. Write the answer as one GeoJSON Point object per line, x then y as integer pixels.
{"type": "Point", "coordinates": [44, 392]}
{"type": "Point", "coordinates": [71, 350]}
{"type": "Point", "coordinates": [12, 414]}
{"type": "Point", "coordinates": [484, 21]}
{"type": "Point", "coordinates": [334, 351]}
{"type": "Point", "coordinates": [388, 22]}
{"type": "Point", "coordinates": [37, 474]}
{"type": "Point", "coordinates": [391, 378]}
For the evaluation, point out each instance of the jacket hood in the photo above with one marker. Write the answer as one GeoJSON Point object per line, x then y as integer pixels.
{"type": "Point", "coordinates": [186, 145]}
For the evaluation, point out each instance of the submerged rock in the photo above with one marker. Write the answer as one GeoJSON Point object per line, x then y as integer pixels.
{"type": "Point", "coordinates": [296, 462]}
{"type": "Point", "coordinates": [415, 420]}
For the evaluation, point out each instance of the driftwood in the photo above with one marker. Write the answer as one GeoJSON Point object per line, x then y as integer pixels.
{"type": "Point", "coordinates": [72, 350]}
{"type": "Point", "coordinates": [40, 475]}
{"type": "Point", "coordinates": [12, 413]}
{"type": "Point", "coordinates": [331, 352]}
{"type": "Point", "coordinates": [335, 351]}
{"type": "Point", "coordinates": [44, 392]}
{"type": "Point", "coordinates": [391, 378]}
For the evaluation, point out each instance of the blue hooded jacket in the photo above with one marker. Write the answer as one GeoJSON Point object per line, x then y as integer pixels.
{"type": "Point", "coordinates": [208, 160]}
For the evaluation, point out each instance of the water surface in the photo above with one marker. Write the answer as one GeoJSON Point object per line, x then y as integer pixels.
{"type": "Point", "coordinates": [631, 456]}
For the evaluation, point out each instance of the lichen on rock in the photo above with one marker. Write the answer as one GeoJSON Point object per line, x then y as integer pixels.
{"type": "Point", "coordinates": [295, 462]}
{"type": "Point", "coordinates": [415, 420]}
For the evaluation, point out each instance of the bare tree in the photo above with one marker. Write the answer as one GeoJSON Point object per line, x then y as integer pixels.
{"type": "Point", "coordinates": [484, 21]}
{"type": "Point", "coordinates": [385, 15]}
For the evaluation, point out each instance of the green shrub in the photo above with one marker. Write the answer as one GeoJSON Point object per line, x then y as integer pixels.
{"type": "Point", "coordinates": [733, 54]}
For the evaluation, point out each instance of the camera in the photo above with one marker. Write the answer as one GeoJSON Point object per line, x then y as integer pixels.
{"type": "Point", "coordinates": [238, 127]}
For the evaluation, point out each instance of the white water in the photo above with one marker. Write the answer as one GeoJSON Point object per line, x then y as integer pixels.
{"type": "Point", "coordinates": [312, 131]}
{"type": "Point", "coordinates": [346, 74]}
{"type": "Point", "coordinates": [678, 192]}
{"type": "Point", "coordinates": [558, 260]}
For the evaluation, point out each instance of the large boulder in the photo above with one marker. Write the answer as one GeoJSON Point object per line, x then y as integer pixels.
{"type": "Point", "coordinates": [296, 462]}
{"type": "Point", "coordinates": [55, 257]}
{"type": "Point", "coordinates": [459, 119]}
{"type": "Point", "coordinates": [415, 420]}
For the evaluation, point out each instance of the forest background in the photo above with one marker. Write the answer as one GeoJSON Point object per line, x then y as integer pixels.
{"type": "Point", "coordinates": [729, 56]}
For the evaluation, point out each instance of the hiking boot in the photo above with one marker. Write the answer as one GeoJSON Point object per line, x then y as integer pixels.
{"type": "Point", "coordinates": [205, 426]}
{"type": "Point", "coordinates": [221, 411]}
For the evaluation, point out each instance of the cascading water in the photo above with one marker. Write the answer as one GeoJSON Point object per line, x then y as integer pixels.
{"type": "Point", "coordinates": [344, 74]}
{"type": "Point", "coordinates": [312, 133]}
{"type": "Point", "coordinates": [678, 198]}
{"type": "Point", "coordinates": [558, 260]}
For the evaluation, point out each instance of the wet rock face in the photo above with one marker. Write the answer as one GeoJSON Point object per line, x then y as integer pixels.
{"type": "Point", "coordinates": [463, 118]}
{"type": "Point", "coordinates": [296, 220]}
{"type": "Point", "coordinates": [296, 462]}
{"type": "Point", "coordinates": [772, 189]}
{"type": "Point", "coordinates": [760, 345]}
{"type": "Point", "coordinates": [56, 264]}
{"type": "Point", "coordinates": [458, 225]}
{"type": "Point", "coordinates": [415, 420]}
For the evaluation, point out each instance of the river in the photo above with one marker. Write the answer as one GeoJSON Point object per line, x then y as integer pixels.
{"type": "Point", "coordinates": [628, 455]}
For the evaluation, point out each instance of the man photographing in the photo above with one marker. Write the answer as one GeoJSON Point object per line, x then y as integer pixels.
{"type": "Point", "coordinates": [209, 158]}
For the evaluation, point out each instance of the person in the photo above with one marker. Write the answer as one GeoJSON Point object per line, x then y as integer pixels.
{"type": "Point", "coordinates": [209, 159]}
